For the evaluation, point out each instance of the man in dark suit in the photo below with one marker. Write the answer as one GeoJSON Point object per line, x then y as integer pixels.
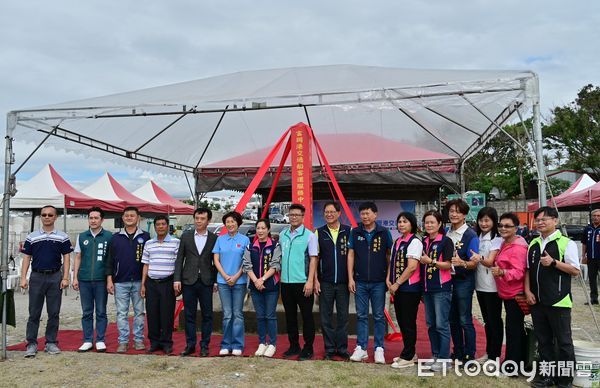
{"type": "Point", "coordinates": [194, 277]}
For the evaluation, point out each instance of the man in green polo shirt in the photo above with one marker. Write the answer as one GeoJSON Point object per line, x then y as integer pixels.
{"type": "Point", "coordinates": [90, 279]}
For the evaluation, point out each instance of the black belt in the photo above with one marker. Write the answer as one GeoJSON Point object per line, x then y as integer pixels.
{"type": "Point", "coordinates": [46, 271]}
{"type": "Point", "coordinates": [162, 280]}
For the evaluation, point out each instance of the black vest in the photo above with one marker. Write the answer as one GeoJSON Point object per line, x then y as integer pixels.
{"type": "Point", "coordinates": [333, 259]}
{"type": "Point", "coordinates": [549, 285]}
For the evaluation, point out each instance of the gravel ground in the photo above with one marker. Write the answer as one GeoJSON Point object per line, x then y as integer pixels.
{"type": "Point", "coordinates": [93, 369]}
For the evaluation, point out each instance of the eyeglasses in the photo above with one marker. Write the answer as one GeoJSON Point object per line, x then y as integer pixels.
{"type": "Point", "coordinates": [330, 213]}
{"type": "Point", "coordinates": [544, 219]}
{"type": "Point", "coordinates": [505, 226]}
{"type": "Point", "coordinates": [293, 215]}
{"type": "Point", "coordinates": [47, 215]}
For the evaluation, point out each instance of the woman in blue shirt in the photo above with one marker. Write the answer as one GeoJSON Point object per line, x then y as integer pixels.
{"type": "Point", "coordinates": [231, 281]}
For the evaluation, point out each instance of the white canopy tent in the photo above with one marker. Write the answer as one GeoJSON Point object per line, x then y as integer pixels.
{"type": "Point", "coordinates": [188, 125]}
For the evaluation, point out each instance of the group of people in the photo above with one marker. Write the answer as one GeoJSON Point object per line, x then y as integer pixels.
{"type": "Point", "coordinates": [443, 268]}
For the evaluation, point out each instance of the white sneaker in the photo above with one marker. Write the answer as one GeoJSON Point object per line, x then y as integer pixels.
{"type": "Point", "coordinates": [236, 352]}
{"type": "Point", "coordinates": [402, 363]}
{"type": "Point", "coordinates": [224, 352]}
{"type": "Point", "coordinates": [100, 347]}
{"type": "Point", "coordinates": [261, 350]}
{"type": "Point", "coordinates": [85, 347]}
{"type": "Point", "coordinates": [438, 366]}
{"type": "Point", "coordinates": [379, 355]}
{"type": "Point", "coordinates": [414, 359]}
{"type": "Point", "coordinates": [359, 354]}
{"type": "Point", "coordinates": [270, 352]}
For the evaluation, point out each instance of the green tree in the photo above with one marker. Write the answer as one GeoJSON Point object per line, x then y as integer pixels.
{"type": "Point", "coordinates": [573, 132]}
{"type": "Point", "coordinates": [501, 163]}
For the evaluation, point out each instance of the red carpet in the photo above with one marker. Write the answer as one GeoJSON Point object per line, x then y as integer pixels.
{"type": "Point", "coordinates": [70, 340]}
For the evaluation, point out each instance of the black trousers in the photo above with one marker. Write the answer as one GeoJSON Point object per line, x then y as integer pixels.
{"type": "Point", "coordinates": [593, 266]}
{"type": "Point", "coordinates": [160, 309]}
{"type": "Point", "coordinates": [515, 331]}
{"type": "Point", "coordinates": [335, 338]}
{"type": "Point", "coordinates": [406, 305]}
{"type": "Point", "coordinates": [293, 297]}
{"type": "Point", "coordinates": [491, 311]}
{"type": "Point", "coordinates": [553, 325]}
{"type": "Point", "coordinates": [44, 287]}
{"type": "Point", "coordinates": [191, 295]}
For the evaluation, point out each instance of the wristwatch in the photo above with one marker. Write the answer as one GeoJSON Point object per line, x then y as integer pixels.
{"type": "Point", "coordinates": [553, 264]}
{"type": "Point", "coordinates": [263, 279]}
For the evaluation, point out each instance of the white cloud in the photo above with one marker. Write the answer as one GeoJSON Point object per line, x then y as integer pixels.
{"type": "Point", "coordinates": [66, 50]}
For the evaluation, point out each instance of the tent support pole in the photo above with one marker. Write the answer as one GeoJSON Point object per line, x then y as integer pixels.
{"type": "Point", "coordinates": [192, 192]}
{"type": "Point", "coordinates": [9, 191]}
{"type": "Point", "coordinates": [212, 136]}
{"type": "Point", "coordinates": [539, 154]}
{"type": "Point", "coordinates": [463, 184]}
{"type": "Point", "coordinates": [36, 148]}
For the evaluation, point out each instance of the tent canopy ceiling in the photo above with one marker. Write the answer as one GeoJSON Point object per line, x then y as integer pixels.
{"type": "Point", "coordinates": [202, 122]}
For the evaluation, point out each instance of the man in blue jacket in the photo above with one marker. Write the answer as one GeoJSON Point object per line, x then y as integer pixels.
{"type": "Point", "coordinates": [331, 283]}
{"type": "Point", "coordinates": [368, 257]}
{"type": "Point", "coordinates": [466, 243]}
{"type": "Point", "coordinates": [590, 244]}
{"type": "Point", "coordinates": [91, 251]}
{"type": "Point", "coordinates": [124, 278]}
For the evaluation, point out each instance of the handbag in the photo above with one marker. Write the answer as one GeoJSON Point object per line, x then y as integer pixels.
{"type": "Point", "coordinates": [522, 302]}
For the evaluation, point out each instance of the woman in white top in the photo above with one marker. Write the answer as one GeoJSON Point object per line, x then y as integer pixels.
{"type": "Point", "coordinates": [485, 284]}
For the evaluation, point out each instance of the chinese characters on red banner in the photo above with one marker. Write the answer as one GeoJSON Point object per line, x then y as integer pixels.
{"type": "Point", "coordinates": [301, 154]}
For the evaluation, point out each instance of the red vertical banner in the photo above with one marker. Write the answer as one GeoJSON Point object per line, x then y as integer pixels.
{"type": "Point", "coordinates": [301, 153]}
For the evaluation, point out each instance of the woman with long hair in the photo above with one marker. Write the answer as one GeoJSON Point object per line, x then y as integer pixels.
{"type": "Point", "coordinates": [262, 263]}
{"type": "Point", "coordinates": [485, 284]}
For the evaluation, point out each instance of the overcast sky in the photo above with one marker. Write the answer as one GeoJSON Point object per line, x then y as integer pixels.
{"type": "Point", "coordinates": [55, 51]}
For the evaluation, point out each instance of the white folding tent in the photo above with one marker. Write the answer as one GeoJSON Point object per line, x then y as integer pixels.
{"type": "Point", "coordinates": [153, 193]}
{"type": "Point", "coordinates": [188, 125]}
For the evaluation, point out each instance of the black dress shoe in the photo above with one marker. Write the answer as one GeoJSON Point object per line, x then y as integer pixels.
{"type": "Point", "coordinates": [168, 349]}
{"type": "Point", "coordinates": [187, 351]}
{"type": "Point", "coordinates": [306, 354]}
{"type": "Point", "coordinates": [343, 355]}
{"type": "Point", "coordinates": [204, 352]}
{"type": "Point", "coordinates": [292, 351]}
{"type": "Point", "coordinates": [153, 348]}
{"type": "Point", "coordinates": [542, 382]}
{"type": "Point", "coordinates": [329, 356]}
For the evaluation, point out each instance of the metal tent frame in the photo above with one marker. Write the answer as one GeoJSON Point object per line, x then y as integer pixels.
{"type": "Point", "coordinates": [416, 96]}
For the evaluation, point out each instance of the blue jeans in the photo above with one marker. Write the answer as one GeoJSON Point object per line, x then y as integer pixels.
{"type": "Point", "coordinates": [265, 305]}
{"type": "Point", "coordinates": [461, 319]}
{"type": "Point", "coordinates": [232, 302]}
{"type": "Point", "coordinates": [437, 311]}
{"type": "Point", "coordinates": [374, 292]}
{"type": "Point", "coordinates": [93, 296]}
{"type": "Point", "coordinates": [125, 292]}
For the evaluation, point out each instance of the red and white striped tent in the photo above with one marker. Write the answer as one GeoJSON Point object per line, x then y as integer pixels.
{"type": "Point", "coordinates": [47, 187]}
{"type": "Point", "coordinates": [151, 192]}
{"type": "Point", "coordinates": [107, 188]}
